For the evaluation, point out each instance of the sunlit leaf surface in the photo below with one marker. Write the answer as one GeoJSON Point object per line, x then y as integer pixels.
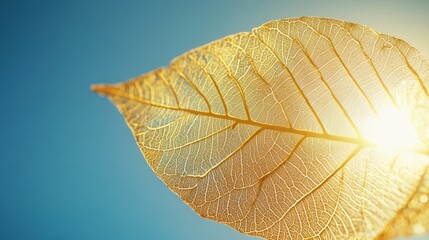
{"type": "Point", "coordinates": [301, 128]}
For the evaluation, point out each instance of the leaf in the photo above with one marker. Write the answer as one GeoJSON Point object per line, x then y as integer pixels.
{"type": "Point", "coordinates": [302, 128]}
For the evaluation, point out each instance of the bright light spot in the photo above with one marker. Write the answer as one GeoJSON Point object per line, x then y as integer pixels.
{"type": "Point", "coordinates": [418, 229]}
{"type": "Point", "coordinates": [392, 128]}
{"type": "Point", "coordinates": [424, 198]}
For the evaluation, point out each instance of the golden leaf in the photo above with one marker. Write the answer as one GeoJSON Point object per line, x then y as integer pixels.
{"type": "Point", "coordinates": [302, 128]}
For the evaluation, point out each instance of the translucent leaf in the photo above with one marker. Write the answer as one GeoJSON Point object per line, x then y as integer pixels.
{"type": "Point", "coordinates": [301, 128]}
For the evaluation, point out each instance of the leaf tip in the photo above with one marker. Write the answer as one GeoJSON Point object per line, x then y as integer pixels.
{"type": "Point", "coordinates": [103, 89]}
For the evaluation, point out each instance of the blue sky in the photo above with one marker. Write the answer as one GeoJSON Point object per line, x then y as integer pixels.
{"type": "Point", "coordinates": [69, 166]}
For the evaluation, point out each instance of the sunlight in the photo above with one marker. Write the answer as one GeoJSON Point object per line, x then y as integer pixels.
{"type": "Point", "coordinates": [392, 128]}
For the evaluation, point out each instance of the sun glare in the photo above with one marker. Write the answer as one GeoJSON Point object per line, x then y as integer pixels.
{"type": "Point", "coordinates": [393, 128]}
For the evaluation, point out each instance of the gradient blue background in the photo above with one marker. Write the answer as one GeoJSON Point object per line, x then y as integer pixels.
{"type": "Point", "coordinates": [69, 166]}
